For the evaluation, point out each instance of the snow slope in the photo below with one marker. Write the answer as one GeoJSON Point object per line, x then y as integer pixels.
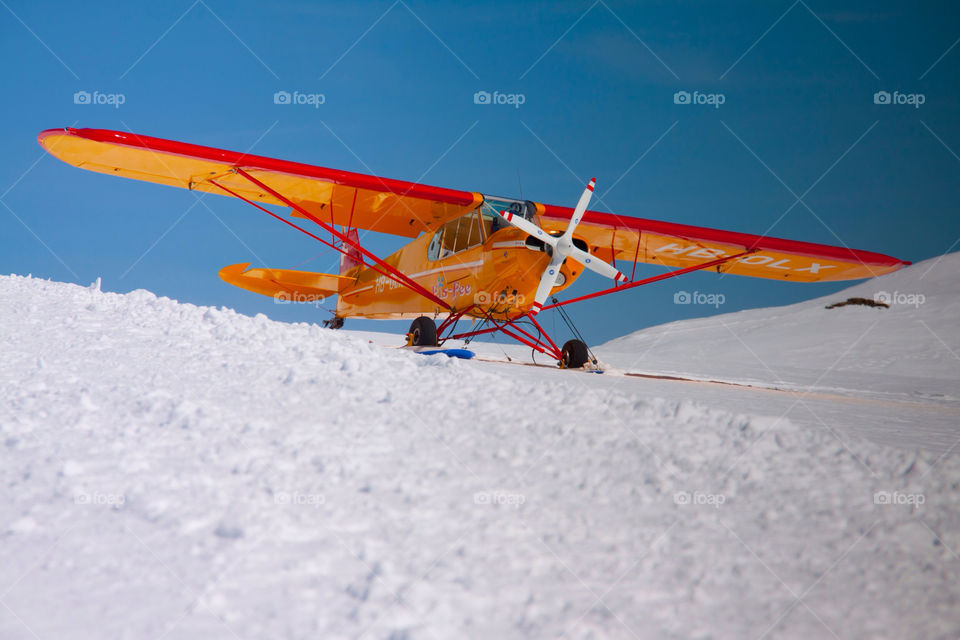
{"type": "Point", "coordinates": [911, 349]}
{"type": "Point", "coordinates": [173, 471]}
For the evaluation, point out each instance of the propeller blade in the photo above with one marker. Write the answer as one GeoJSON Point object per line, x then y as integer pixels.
{"type": "Point", "coordinates": [548, 280]}
{"type": "Point", "coordinates": [597, 265]}
{"type": "Point", "coordinates": [525, 225]}
{"type": "Point", "coordinates": [563, 248]}
{"type": "Point", "coordinates": [580, 209]}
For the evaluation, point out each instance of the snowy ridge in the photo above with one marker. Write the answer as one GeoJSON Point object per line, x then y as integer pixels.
{"type": "Point", "coordinates": [188, 472]}
{"type": "Point", "coordinates": [911, 349]}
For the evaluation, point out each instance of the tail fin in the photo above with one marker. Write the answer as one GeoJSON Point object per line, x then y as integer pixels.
{"type": "Point", "coordinates": [352, 257]}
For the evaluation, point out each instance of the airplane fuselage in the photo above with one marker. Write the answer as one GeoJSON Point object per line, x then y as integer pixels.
{"type": "Point", "coordinates": [498, 276]}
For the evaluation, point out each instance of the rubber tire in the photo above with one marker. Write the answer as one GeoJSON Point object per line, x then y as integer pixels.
{"type": "Point", "coordinates": [575, 354]}
{"type": "Point", "coordinates": [423, 332]}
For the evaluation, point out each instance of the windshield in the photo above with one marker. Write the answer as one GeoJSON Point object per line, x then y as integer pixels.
{"type": "Point", "coordinates": [472, 229]}
{"type": "Point", "coordinates": [494, 205]}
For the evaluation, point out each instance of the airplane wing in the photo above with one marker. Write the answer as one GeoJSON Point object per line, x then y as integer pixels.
{"type": "Point", "coordinates": [621, 238]}
{"type": "Point", "coordinates": [407, 209]}
{"type": "Point", "coordinates": [339, 197]}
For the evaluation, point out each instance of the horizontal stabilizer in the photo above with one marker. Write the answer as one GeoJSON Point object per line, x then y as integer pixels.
{"type": "Point", "coordinates": [284, 284]}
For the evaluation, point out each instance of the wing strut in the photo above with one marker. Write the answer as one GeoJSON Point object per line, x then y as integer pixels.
{"type": "Point", "coordinates": [543, 343]}
{"type": "Point", "coordinates": [656, 278]}
{"type": "Point", "coordinates": [385, 269]}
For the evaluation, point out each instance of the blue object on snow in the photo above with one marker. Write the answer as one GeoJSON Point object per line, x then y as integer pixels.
{"type": "Point", "coordinates": [466, 354]}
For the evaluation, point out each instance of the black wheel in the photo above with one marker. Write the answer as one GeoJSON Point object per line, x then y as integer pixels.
{"type": "Point", "coordinates": [423, 332]}
{"type": "Point", "coordinates": [574, 354]}
{"type": "Point", "coordinates": [336, 322]}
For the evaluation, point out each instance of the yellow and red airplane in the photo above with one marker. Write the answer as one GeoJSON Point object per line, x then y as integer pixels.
{"type": "Point", "coordinates": [495, 259]}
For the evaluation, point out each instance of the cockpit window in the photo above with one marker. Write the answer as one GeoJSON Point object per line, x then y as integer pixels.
{"type": "Point", "coordinates": [433, 251]}
{"type": "Point", "coordinates": [455, 236]}
{"type": "Point", "coordinates": [472, 229]}
{"type": "Point", "coordinates": [522, 208]}
{"type": "Point", "coordinates": [493, 205]}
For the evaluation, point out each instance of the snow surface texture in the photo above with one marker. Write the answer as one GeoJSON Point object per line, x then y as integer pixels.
{"type": "Point", "coordinates": [173, 471]}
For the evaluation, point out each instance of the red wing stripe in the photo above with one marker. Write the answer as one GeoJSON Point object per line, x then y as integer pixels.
{"type": "Point", "coordinates": [323, 174]}
{"type": "Point", "coordinates": [746, 240]}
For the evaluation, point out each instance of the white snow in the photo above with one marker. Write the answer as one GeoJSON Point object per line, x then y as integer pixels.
{"type": "Point", "coordinates": [909, 349]}
{"type": "Point", "coordinates": [173, 471]}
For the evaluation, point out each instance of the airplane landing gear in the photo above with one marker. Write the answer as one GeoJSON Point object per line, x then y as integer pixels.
{"type": "Point", "coordinates": [423, 333]}
{"type": "Point", "coordinates": [575, 354]}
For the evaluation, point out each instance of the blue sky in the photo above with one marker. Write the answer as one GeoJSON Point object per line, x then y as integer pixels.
{"type": "Point", "coordinates": [798, 121]}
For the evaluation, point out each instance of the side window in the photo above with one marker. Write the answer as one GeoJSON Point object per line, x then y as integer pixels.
{"type": "Point", "coordinates": [476, 235]}
{"type": "Point", "coordinates": [449, 238]}
{"type": "Point", "coordinates": [489, 222]}
{"type": "Point", "coordinates": [455, 236]}
{"type": "Point", "coordinates": [466, 225]}
{"type": "Point", "coordinates": [433, 251]}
